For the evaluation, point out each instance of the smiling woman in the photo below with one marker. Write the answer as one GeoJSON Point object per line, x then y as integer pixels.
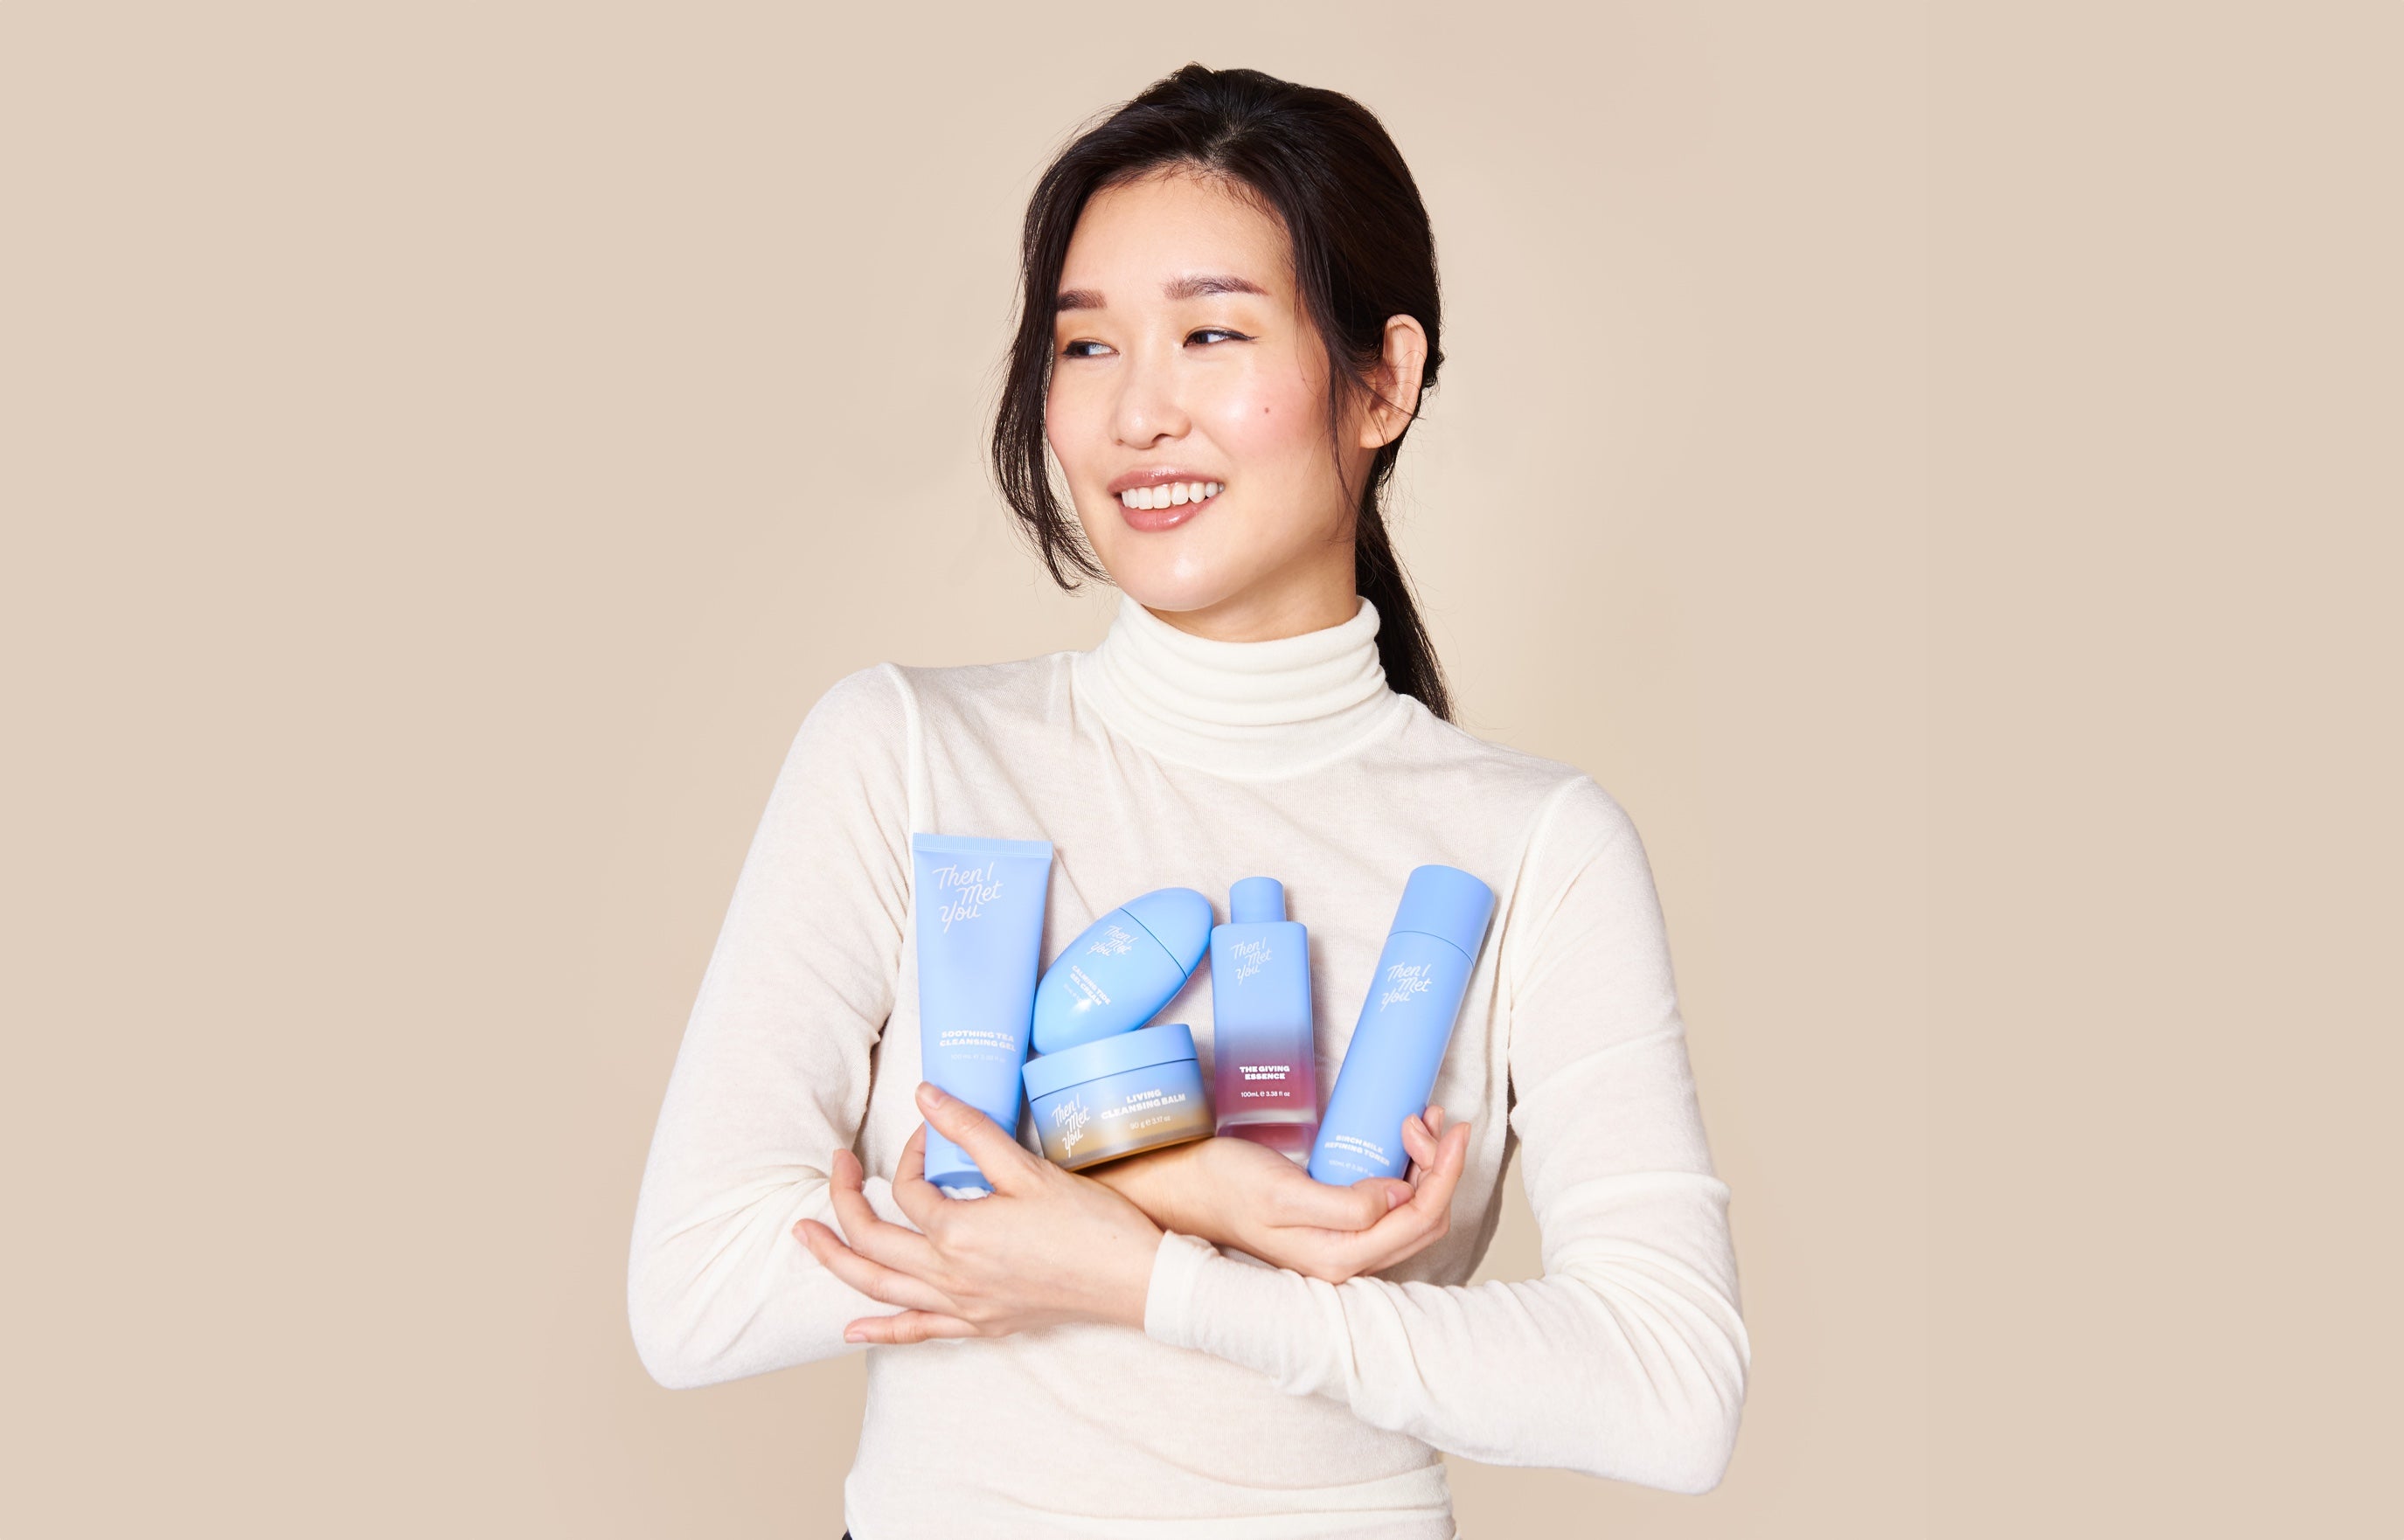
{"type": "Point", "coordinates": [1230, 266]}
{"type": "Point", "coordinates": [1164, 377]}
{"type": "Point", "coordinates": [1229, 320]}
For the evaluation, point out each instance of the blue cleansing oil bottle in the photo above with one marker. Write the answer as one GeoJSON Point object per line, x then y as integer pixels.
{"type": "Point", "coordinates": [1126, 965]}
{"type": "Point", "coordinates": [1263, 1055]}
{"type": "Point", "coordinates": [1389, 1066]}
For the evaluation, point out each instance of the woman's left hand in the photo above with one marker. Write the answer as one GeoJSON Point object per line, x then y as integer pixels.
{"type": "Point", "coordinates": [1047, 1246]}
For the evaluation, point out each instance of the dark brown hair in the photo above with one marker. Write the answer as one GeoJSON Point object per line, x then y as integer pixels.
{"type": "Point", "coordinates": [1362, 252]}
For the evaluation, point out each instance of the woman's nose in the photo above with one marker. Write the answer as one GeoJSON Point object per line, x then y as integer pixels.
{"type": "Point", "coordinates": [1147, 409]}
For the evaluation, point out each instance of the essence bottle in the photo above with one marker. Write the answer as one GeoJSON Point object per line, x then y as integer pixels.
{"type": "Point", "coordinates": [1264, 1059]}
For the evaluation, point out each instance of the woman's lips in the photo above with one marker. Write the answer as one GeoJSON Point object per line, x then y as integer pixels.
{"type": "Point", "coordinates": [1164, 503]}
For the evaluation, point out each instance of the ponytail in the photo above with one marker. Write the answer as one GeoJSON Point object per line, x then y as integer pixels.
{"type": "Point", "coordinates": [1403, 648]}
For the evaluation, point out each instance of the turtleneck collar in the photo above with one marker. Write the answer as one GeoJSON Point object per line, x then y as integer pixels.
{"type": "Point", "coordinates": [1248, 709]}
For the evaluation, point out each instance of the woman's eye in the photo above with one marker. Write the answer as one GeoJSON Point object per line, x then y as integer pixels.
{"type": "Point", "coordinates": [1084, 350]}
{"type": "Point", "coordinates": [1213, 334]}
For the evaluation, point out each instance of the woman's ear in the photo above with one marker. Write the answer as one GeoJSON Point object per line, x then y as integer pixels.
{"type": "Point", "coordinates": [1394, 383]}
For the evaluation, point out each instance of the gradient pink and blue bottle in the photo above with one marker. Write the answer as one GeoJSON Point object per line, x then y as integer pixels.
{"type": "Point", "coordinates": [1264, 1061]}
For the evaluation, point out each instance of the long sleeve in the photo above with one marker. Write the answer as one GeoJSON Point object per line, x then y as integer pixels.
{"type": "Point", "coordinates": [772, 1074]}
{"type": "Point", "coordinates": [1627, 1358]}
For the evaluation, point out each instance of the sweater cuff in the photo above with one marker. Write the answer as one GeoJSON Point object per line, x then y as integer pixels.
{"type": "Point", "coordinates": [1237, 1308]}
{"type": "Point", "coordinates": [1168, 1305]}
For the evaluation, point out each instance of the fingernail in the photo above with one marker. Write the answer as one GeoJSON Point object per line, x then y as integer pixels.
{"type": "Point", "coordinates": [1393, 1199]}
{"type": "Point", "coordinates": [853, 1333]}
{"type": "Point", "coordinates": [931, 1094]}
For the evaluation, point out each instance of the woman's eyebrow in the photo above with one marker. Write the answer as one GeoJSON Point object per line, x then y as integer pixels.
{"type": "Point", "coordinates": [1176, 288]}
{"type": "Point", "coordinates": [1194, 288]}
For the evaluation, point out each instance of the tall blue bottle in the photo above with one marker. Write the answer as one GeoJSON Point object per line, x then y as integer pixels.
{"type": "Point", "coordinates": [1389, 1066]}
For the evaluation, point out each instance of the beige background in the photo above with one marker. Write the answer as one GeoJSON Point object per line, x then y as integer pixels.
{"type": "Point", "coordinates": [1938, 467]}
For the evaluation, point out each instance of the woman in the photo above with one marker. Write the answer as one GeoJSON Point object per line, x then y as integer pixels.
{"type": "Point", "coordinates": [1229, 318]}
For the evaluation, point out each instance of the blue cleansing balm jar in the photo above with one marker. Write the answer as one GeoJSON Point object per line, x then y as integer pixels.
{"type": "Point", "coordinates": [1118, 1096]}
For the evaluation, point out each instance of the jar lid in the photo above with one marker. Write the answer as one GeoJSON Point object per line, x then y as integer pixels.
{"type": "Point", "coordinates": [1112, 1055]}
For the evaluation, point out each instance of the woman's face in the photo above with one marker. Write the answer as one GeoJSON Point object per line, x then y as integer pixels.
{"type": "Point", "coordinates": [1181, 355]}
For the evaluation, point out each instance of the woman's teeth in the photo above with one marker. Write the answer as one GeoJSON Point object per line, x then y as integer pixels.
{"type": "Point", "coordinates": [1169, 495]}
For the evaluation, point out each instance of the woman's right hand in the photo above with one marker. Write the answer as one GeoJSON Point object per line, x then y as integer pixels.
{"type": "Point", "coordinates": [1232, 1192]}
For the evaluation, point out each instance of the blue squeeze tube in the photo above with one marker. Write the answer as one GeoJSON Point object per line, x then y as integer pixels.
{"type": "Point", "coordinates": [1389, 1066]}
{"type": "Point", "coordinates": [980, 909]}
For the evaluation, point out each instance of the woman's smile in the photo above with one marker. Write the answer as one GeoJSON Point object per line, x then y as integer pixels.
{"type": "Point", "coordinates": [1168, 494]}
{"type": "Point", "coordinates": [1162, 499]}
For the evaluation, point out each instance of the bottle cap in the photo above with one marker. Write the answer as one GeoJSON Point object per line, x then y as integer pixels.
{"type": "Point", "coordinates": [1178, 919]}
{"type": "Point", "coordinates": [1256, 901]}
{"type": "Point", "coordinates": [1447, 904]}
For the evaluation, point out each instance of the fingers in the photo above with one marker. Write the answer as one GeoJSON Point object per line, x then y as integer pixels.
{"type": "Point", "coordinates": [870, 1236]}
{"type": "Point", "coordinates": [1419, 1135]}
{"type": "Point", "coordinates": [1353, 1208]}
{"type": "Point", "coordinates": [1418, 1224]}
{"type": "Point", "coordinates": [917, 1196]}
{"type": "Point", "coordinates": [879, 1283]}
{"type": "Point", "coordinates": [1434, 1196]}
{"type": "Point", "coordinates": [910, 1326]}
{"type": "Point", "coordinates": [1003, 1159]}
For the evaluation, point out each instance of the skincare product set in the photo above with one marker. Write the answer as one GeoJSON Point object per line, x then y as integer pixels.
{"type": "Point", "coordinates": [1103, 1084]}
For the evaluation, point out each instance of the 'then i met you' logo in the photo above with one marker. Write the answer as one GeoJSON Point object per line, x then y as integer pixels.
{"type": "Point", "coordinates": [1404, 980]}
{"type": "Point", "coordinates": [1068, 1125]}
{"type": "Point", "coordinates": [966, 891]}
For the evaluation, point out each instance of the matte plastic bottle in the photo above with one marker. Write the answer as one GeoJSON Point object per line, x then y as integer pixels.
{"type": "Point", "coordinates": [1263, 1060]}
{"type": "Point", "coordinates": [1389, 1066]}
{"type": "Point", "coordinates": [980, 908]}
{"type": "Point", "coordinates": [1121, 969]}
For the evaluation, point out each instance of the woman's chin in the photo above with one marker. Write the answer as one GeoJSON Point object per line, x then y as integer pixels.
{"type": "Point", "coordinates": [1174, 581]}
{"type": "Point", "coordinates": [1174, 597]}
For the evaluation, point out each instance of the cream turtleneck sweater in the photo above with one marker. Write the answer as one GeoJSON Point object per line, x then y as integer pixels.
{"type": "Point", "coordinates": [1255, 1403]}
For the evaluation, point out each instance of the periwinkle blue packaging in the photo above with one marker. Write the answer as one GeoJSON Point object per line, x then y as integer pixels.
{"type": "Point", "coordinates": [1261, 1044]}
{"type": "Point", "coordinates": [1126, 965]}
{"type": "Point", "coordinates": [1118, 1095]}
{"type": "Point", "coordinates": [980, 906]}
{"type": "Point", "coordinates": [1389, 1066]}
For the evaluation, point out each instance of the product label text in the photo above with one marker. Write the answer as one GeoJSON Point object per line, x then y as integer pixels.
{"type": "Point", "coordinates": [1404, 980]}
{"type": "Point", "coordinates": [964, 891]}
